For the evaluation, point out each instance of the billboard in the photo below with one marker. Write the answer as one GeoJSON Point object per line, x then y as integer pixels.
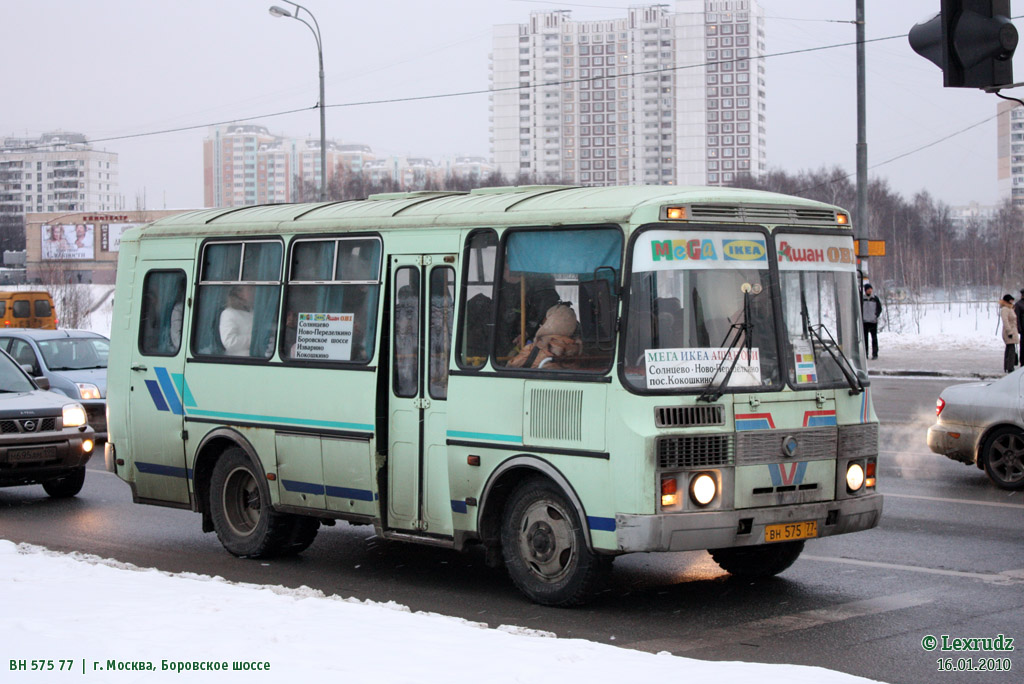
{"type": "Point", "coordinates": [110, 235]}
{"type": "Point", "coordinates": [67, 241]}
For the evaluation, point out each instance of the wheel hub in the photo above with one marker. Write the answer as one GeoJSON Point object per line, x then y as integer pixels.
{"type": "Point", "coordinates": [541, 539]}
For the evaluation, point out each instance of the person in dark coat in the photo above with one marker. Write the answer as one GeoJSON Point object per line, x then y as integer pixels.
{"type": "Point", "coordinates": [1018, 310]}
{"type": "Point", "coordinates": [871, 309]}
{"type": "Point", "coordinates": [1010, 335]}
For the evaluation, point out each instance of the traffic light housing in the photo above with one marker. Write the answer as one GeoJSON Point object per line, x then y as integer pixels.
{"type": "Point", "coordinates": [972, 41]}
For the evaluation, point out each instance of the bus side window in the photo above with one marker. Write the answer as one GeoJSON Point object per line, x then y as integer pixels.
{"type": "Point", "coordinates": [162, 312]}
{"type": "Point", "coordinates": [477, 320]}
{"type": "Point", "coordinates": [237, 299]}
{"type": "Point", "coordinates": [333, 284]}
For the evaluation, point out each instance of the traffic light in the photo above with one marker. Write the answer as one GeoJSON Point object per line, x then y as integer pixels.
{"type": "Point", "coordinates": [972, 41]}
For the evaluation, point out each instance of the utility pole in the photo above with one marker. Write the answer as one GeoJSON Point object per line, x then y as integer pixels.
{"type": "Point", "coordinates": [860, 226]}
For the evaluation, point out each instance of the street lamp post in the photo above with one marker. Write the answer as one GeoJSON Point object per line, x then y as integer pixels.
{"type": "Point", "coordinates": [276, 11]}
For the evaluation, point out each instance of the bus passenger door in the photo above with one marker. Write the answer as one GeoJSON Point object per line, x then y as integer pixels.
{"type": "Point", "coordinates": [158, 391]}
{"type": "Point", "coordinates": [422, 310]}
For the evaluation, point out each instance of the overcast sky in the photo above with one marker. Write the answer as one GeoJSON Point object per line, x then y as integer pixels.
{"type": "Point", "coordinates": [110, 68]}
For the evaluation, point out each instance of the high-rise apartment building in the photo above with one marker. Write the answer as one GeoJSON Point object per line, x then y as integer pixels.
{"type": "Point", "coordinates": [1010, 152]}
{"type": "Point", "coordinates": [245, 164]}
{"type": "Point", "coordinates": [56, 172]}
{"type": "Point", "coordinates": [663, 95]}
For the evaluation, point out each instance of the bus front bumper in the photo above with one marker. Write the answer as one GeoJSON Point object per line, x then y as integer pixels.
{"type": "Point", "coordinates": [746, 527]}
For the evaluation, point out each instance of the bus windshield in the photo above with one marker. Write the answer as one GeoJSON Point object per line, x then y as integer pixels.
{"type": "Point", "coordinates": [821, 304]}
{"type": "Point", "coordinates": [700, 300]}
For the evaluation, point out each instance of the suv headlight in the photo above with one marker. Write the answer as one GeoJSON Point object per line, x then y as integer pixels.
{"type": "Point", "coordinates": [74, 415]}
{"type": "Point", "coordinates": [87, 390]}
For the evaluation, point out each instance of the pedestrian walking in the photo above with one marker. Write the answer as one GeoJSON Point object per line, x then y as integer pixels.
{"type": "Point", "coordinates": [1010, 334]}
{"type": "Point", "coordinates": [1018, 309]}
{"type": "Point", "coordinates": [871, 310]}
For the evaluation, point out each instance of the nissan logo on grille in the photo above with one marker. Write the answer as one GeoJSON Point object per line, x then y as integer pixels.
{"type": "Point", "coordinates": [29, 425]}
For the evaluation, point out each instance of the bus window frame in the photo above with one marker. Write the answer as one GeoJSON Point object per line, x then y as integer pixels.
{"type": "Point", "coordinates": [198, 282]}
{"type": "Point", "coordinates": [776, 300]}
{"type": "Point", "coordinates": [283, 314]}
{"type": "Point", "coordinates": [602, 375]}
{"type": "Point", "coordinates": [142, 306]}
{"type": "Point", "coordinates": [804, 230]}
{"type": "Point", "coordinates": [460, 322]}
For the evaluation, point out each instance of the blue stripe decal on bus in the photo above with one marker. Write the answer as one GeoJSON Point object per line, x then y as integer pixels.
{"type": "Point", "coordinates": [752, 424]}
{"type": "Point", "coordinates": [602, 524]}
{"type": "Point", "coordinates": [186, 395]}
{"type": "Point", "coordinates": [350, 493]}
{"type": "Point", "coordinates": [252, 417]}
{"type": "Point", "coordinates": [157, 395]}
{"type": "Point", "coordinates": [821, 421]}
{"type": "Point", "coordinates": [459, 506]}
{"type": "Point", "coordinates": [170, 393]}
{"type": "Point", "coordinates": [302, 487]}
{"type": "Point", "coordinates": [158, 469]}
{"type": "Point", "coordinates": [459, 434]}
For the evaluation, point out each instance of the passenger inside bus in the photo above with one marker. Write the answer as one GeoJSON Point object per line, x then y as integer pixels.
{"type": "Point", "coordinates": [236, 321]}
{"type": "Point", "coordinates": [557, 343]}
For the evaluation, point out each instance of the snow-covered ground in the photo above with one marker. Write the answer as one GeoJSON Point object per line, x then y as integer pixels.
{"type": "Point", "coordinates": [105, 619]}
{"type": "Point", "coordinates": [87, 614]}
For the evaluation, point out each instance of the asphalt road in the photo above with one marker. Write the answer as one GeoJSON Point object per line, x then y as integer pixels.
{"type": "Point", "coordinates": [947, 559]}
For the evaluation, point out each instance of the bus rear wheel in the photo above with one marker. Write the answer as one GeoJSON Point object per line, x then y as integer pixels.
{"type": "Point", "coordinates": [545, 549]}
{"type": "Point", "coordinates": [763, 560]}
{"type": "Point", "coordinates": [245, 523]}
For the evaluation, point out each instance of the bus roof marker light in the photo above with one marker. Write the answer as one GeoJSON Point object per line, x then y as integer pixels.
{"type": "Point", "coordinates": [842, 219]}
{"type": "Point", "coordinates": [675, 213]}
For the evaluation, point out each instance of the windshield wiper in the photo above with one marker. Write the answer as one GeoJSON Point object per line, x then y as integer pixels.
{"type": "Point", "coordinates": [833, 349]}
{"type": "Point", "coordinates": [856, 386]}
{"type": "Point", "coordinates": [741, 336]}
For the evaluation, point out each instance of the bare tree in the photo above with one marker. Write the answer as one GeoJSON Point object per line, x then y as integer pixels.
{"type": "Point", "coordinates": [71, 298]}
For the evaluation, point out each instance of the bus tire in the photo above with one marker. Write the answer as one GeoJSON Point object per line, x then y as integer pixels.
{"type": "Point", "coordinates": [762, 560]}
{"type": "Point", "coordinates": [243, 519]}
{"type": "Point", "coordinates": [67, 485]}
{"type": "Point", "coordinates": [545, 549]}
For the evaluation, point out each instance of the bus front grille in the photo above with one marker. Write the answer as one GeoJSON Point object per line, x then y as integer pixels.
{"type": "Point", "coordinates": [858, 440]}
{"type": "Point", "coordinates": [689, 416]}
{"type": "Point", "coordinates": [773, 213]}
{"type": "Point", "coordinates": [766, 446]}
{"type": "Point", "coordinates": [694, 451]}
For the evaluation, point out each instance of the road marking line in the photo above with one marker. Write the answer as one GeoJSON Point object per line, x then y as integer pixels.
{"type": "Point", "coordinates": [764, 629]}
{"type": "Point", "coordinates": [959, 501]}
{"type": "Point", "coordinates": [1006, 577]}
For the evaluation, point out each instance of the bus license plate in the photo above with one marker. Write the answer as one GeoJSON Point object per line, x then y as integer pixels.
{"type": "Point", "coordinates": [791, 531]}
{"type": "Point", "coordinates": [30, 455]}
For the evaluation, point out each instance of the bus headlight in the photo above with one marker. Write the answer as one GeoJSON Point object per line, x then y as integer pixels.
{"type": "Point", "coordinates": [854, 477]}
{"type": "Point", "coordinates": [73, 415]}
{"type": "Point", "coordinates": [87, 390]}
{"type": "Point", "coordinates": [703, 488]}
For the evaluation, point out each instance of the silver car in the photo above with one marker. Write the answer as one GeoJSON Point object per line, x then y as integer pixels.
{"type": "Point", "coordinates": [982, 423]}
{"type": "Point", "coordinates": [74, 362]}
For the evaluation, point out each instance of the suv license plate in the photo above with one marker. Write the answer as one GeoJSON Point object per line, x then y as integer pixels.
{"type": "Point", "coordinates": [29, 455]}
{"type": "Point", "coordinates": [791, 531]}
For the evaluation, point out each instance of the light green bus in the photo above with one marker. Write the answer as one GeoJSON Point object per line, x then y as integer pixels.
{"type": "Point", "coordinates": [558, 374]}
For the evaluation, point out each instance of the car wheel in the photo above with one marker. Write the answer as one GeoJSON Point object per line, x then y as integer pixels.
{"type": "Point", "coordinates": [1004, 458]}
{"type": "Point", "coordinates": [66, 485]}
{"type": "Point", "coordinates": [763, 560]}
{"type": "Point", "coordinates": [545, 549]}
{"type": "Point", "coordinates": [245, 523]}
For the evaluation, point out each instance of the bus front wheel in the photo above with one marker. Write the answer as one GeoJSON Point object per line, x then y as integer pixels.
{"type": "Point", "coordinates": [763, 560]}
{"type": "Point", "coordinates": [545, 549]}
{"type": "Point", "coordinates": [245, 523]}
